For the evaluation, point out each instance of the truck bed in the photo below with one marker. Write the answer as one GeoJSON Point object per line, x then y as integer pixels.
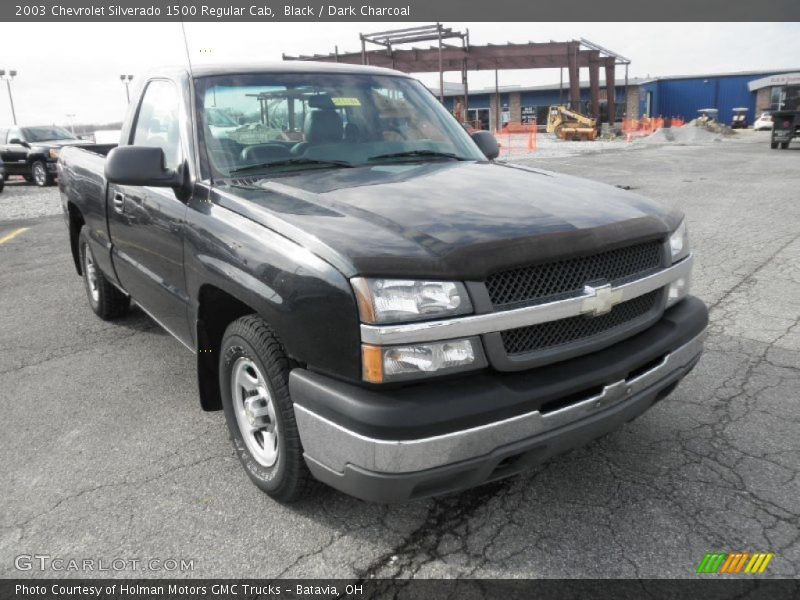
{"type": "Point", "coordinates": [83, 167]}
{"type": "Point", "coordinates": [101, 149]}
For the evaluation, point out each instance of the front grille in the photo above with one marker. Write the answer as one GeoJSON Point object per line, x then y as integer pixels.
{"type": "Point", "coordinates": [566, 278]}
{"type": "Point", "coordinates": [552, 334]}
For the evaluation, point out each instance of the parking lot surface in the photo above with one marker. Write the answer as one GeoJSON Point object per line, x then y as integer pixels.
{"type": "Point", "coordinates": [105, 452]}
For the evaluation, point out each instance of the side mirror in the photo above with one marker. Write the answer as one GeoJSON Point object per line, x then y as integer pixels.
{"type": "Point", "coordinates": [487, 143]}
{"type": "Point", "coordinates": [140, 165]}
{"type": "Point", "coordinates": [19, 142]}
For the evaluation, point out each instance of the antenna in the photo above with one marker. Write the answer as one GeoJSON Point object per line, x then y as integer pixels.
{"type": "Point", "coordinates": [194, 138]}
{"type": "Point", "coordinates": [186, 47]}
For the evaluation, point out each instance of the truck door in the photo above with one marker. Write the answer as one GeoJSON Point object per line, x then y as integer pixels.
{"type": "Point", "coordinates": [146, 224]}
{"type": "Point", "coordinates": [15, 155]}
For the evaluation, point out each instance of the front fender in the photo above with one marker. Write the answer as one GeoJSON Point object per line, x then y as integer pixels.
{"type": "Point", "coordinates": [307, 302]}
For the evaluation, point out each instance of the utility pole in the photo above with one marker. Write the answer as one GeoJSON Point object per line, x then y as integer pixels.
{"type": "Point", "coordinates": [8, 78]}
{"type": "Point", "coordinates": [497, 110]}
{"type": "Point", "coordinates": [126, 81]}
{"type": "Point", "coordinates": [441, 71]}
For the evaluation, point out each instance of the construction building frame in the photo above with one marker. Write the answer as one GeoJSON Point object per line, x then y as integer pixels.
{"type": "Point", "coordinates": [572, 55]}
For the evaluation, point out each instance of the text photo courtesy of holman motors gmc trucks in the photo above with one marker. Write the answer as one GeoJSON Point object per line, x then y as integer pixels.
{"type": "Point", "coordinates": [373, 300]}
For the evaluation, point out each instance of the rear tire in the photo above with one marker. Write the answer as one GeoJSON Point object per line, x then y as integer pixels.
{"type": "Point", "coordinates": [254, 384]}
{"type": "Point", "coordinates": [773, 145]}
{"type": "Point", "coordinates": [106, 301]}
{"type": "Point", "coordinates": [39, 174]}
{"type": "Point", "coordinates": [784, 145]}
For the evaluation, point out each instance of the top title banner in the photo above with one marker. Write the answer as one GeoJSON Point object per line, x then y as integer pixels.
{"type": "Point", "coordinates": [398, 10]}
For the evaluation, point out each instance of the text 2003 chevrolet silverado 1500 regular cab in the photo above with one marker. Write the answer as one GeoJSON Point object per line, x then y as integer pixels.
{"type": "Point", "coordinates": [372, 300]}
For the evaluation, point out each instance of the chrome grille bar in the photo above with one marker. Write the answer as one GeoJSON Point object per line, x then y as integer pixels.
{"type": "Point", "coordinates": [586, 303]}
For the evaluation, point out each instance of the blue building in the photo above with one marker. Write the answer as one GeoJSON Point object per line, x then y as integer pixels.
{"type": "Point", "coordinates": [683, 96]}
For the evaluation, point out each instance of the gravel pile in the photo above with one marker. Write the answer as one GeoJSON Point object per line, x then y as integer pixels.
{"type": "Point", "coordinates": [689, 134]}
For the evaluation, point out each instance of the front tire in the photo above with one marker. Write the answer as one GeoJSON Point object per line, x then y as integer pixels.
{"type": "Point", "coordinates": [39, 174]}
{"type": "Point", "coordinates": [106, 301]}
{"type": "Point", "coordinates": [254, 383]}
{"type": "Point", "coordinates": [784, 145]}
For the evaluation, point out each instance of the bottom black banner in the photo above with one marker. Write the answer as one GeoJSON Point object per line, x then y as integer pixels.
{"type": "Point", "coordinates": [427, 589]}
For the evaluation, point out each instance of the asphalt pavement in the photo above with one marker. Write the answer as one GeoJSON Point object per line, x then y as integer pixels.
{"type": "Point", "coordinates": [105, 453]}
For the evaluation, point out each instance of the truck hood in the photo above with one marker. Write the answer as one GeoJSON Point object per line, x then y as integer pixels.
{"type": "Point", "coordinates": [452, 220]}
{"type": "Point", "coordinates": [53, 144]}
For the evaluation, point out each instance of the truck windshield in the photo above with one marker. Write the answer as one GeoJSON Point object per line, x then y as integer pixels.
{"type": "Point", "coordinates": [46, 134]}
{"type": "Point", "coordinates": [270, 122]}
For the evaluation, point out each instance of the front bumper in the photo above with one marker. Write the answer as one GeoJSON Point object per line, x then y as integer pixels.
{"type": "Point", "coordinates": [444, 436]}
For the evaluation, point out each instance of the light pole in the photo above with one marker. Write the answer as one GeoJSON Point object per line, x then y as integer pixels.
{"type": "Point", "coordinates": [126, 81]}
{"type": "Point", "coordinates": [8, 78]}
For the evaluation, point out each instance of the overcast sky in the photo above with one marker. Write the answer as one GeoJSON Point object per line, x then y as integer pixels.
{"type": "Point", "coordinates": [74, 68]}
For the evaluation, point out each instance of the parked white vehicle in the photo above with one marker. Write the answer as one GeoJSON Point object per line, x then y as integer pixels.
{"type": "Point", "coordinates": [107, 136]}
{"type": "Point", "coordinates": [763, 122]}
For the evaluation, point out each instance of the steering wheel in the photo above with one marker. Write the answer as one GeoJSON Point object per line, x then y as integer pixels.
{"type": "Point", "coordinates": [400, 134]}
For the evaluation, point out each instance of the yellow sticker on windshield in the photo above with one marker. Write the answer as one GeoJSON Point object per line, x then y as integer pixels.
{"type": "Point", "coordinates": [346, 101]}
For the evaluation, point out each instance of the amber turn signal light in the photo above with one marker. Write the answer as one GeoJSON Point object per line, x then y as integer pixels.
{"type": "Point", "coordinates": [372, 363]}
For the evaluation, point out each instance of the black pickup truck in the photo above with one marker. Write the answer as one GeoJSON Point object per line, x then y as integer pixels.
{"type": "Point", "coordinates": [33, 151]}
{"type": "Point", "coordinates": [786, 120]}
{"type": "Point", "coordinates": [372, 299]}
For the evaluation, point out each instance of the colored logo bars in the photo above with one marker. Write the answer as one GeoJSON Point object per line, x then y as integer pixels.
{"type": "Point", "coordinates": [736, 562]}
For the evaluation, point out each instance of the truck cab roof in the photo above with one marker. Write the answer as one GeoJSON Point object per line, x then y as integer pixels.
{"type": "Point", "coordinates": [211, 70]}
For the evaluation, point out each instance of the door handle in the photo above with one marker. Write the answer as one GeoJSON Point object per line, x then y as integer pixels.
{"type": "Point", "coordinates": [119, 202]}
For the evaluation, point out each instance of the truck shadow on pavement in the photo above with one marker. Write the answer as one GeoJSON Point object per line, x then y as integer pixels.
{"type": "Point", "coordinates": [138, 320]}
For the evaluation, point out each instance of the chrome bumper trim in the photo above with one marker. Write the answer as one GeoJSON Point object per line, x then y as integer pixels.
{"type": "Point", "coordinates": [334, 446]}
{"type": "Point", "coordinates": [589, 302]}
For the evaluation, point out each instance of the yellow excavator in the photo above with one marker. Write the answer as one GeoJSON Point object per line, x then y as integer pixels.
{"type": "Point", "coordinates": [568, 124]}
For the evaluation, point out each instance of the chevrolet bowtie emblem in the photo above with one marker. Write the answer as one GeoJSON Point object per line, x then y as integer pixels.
{"type": "Point", "coordinates": [600, 300]}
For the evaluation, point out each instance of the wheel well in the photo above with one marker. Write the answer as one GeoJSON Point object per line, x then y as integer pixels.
{"type": "Point", "coordinates": [217, 309]}
{"type": "Point", "coordinates": [32, 158]}
{"type": "Point", "coordinates": [75, 223]}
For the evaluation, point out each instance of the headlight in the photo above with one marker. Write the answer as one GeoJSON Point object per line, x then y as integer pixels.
{"type": "Point", "coordinates": [679, 242]}
{"type": "Point", "coordinates": [397, 363]}
{"type": "Point", "coordinates": [679, 248]}
{"type": "Point", "coordinates": [401, 300]}
{"type": "Point", "coordinates": [53, 153]}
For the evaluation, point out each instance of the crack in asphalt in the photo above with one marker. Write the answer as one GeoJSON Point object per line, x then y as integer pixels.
{"type": "Point", "coordinates": [748, 277]}
{"type": "Point", "coordinates": [86, 345]}
{"type": "Point", "coordinates": [128, 483]}
{"type": "Point", "coordinates": [421, 545]}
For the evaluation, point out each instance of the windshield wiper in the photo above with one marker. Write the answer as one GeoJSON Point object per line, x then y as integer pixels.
{"type": "Point", "coordinates": [418, 154]}
{"type": "Point", "coordinates": [292, 162]}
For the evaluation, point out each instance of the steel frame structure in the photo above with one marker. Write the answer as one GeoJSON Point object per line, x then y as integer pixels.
{"type": "Point", "coordinates": [571, 55]}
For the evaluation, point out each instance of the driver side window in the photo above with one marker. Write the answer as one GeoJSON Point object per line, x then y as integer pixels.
{"type": "Point", "coordinates": [157, 123]}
